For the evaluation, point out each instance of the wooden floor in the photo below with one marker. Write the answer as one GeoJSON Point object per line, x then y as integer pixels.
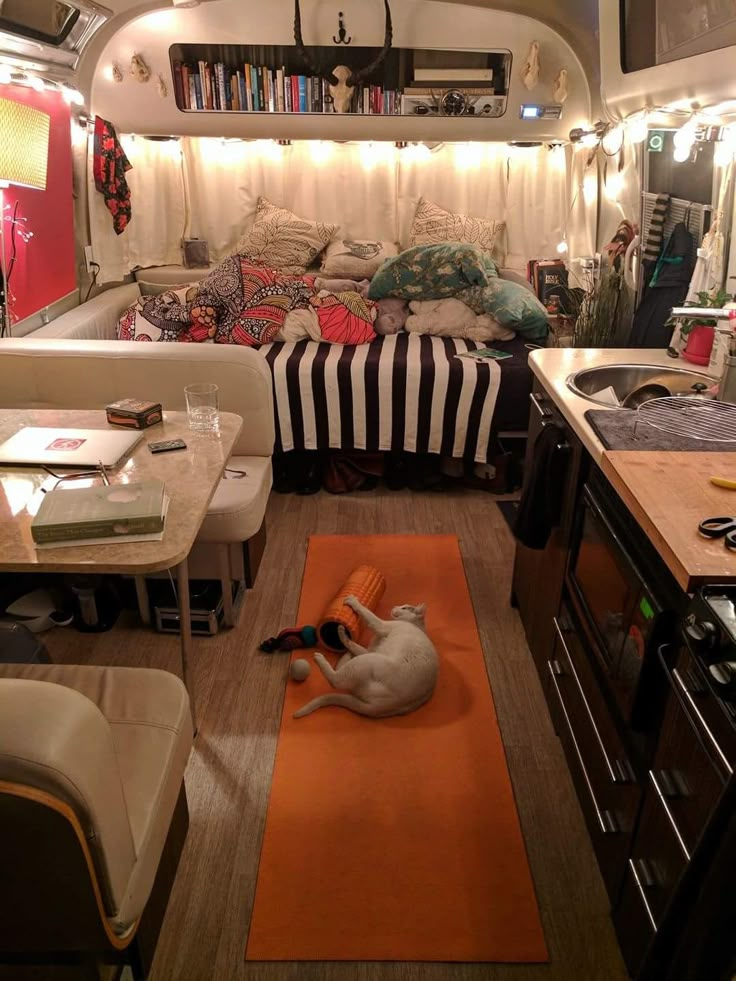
{"type": "Point", "coordinates": [239, 696]}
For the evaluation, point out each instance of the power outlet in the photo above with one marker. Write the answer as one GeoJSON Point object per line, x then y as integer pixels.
{"type": "Point", "coordinates": [89, 259]}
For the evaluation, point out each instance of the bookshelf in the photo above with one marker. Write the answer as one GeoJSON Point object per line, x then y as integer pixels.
{"type": "Point", "coordinates": [258, 79]}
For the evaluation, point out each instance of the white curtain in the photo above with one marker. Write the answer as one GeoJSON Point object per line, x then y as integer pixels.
{"type": "Point", "coordinates": [153, 236]}
{"type": "Point", "coordinates": [465, 178]}
{"type": "Point", "coordinates": [208, 188]}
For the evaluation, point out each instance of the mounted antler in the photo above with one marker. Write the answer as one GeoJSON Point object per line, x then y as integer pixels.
{"type": "Point", "coordinates": [358, 77]}
{"type": "Point", "coordinates": [342, 80]}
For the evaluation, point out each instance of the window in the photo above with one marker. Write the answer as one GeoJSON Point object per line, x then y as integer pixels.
{"type": "Point", "coordinates": [42, 20]}
{"type": "Point", "coordinates": [655, 32]}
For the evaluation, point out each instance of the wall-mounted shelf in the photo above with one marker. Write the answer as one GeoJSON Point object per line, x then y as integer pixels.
{"type": "Point", "coordinates": [273, 79]}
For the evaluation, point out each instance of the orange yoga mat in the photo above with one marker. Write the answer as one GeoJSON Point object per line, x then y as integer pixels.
{"type": "Point", "coordinates": [395, 839]}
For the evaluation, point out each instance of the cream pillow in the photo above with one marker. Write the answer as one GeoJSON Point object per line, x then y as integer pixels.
{"type": "Point", "coordinates": [283, 240]}
{"type": "Point", "coordinates": [433, 225]}
{"type": "Point", "coordinates": [355, 258]}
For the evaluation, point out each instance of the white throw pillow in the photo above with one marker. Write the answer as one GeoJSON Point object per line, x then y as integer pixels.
{"type": "Point", "coordinates": [283, 240]}
{"type": "Point", "coordinates": [355, 258]}
{"type": "Point", "coordinates": [433, 225]}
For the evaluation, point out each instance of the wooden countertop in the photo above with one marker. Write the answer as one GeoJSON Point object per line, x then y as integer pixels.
{"type": "Point", "coordinates": [669, 493]}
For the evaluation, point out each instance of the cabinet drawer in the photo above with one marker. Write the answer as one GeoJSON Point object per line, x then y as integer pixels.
{"type": "Point", "coordinates": [653, 872]}
{"type": "Point", "coordinates": [606, 786]}
{"type": "Point", "coordinates": [684, 776]}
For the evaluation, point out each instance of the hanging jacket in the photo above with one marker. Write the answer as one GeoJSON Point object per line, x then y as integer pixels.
{"type": "Point", "coordinates": [667, 288]}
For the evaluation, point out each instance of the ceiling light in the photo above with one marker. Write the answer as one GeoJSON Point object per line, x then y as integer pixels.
{"type": "Point", "coordinates": [185, 3]}
{"type": "Point", "coordinates": [682, 153]}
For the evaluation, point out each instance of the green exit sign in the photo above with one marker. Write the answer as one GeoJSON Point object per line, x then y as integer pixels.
{"type": "Point", "coordinates": [655, 143]}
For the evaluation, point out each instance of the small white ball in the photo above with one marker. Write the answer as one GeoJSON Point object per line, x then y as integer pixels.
{"type": "Point", "coordinates": [299, 670]}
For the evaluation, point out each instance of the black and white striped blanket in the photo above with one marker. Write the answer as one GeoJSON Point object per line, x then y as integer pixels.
{"type": "Point", "coordinates": [402, 392]}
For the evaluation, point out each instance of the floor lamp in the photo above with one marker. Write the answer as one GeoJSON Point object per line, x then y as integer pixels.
{"type": "Point", "coordinates": [24, 152]}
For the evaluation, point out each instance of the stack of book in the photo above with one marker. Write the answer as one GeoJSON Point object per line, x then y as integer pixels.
{"type": "Point", "coordinates": [432, 81]}
{"type": "Point", "coordinates": [92, 515]}
{"type": "Point", "coordinates": [255, 88]}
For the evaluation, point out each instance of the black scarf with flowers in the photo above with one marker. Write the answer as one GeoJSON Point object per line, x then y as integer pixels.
{"type": "Point", "coordinates": [109, 167]}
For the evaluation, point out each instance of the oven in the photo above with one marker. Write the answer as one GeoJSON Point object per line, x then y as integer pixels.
{"type": "Point", "coordinates": [625, 599]}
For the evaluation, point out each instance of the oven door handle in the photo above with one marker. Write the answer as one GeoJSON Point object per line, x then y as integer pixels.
{"type": "Point", "coordinates": [682, 689]}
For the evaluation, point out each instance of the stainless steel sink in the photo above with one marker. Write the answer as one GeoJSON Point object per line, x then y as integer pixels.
{"type": "Point", "coordinates": [625, 378]}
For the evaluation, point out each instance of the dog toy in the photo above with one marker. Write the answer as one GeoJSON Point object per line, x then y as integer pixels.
{"type": "Point", "coordinates": [367, 585]}
{"type": "Point", "coordinates": [291, 639]}
{"type": "Point", "coordinates": [299, 669]}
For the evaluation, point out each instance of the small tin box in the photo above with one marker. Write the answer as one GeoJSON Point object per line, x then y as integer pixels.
{"type": "Point", "coordinates": [134, 413]}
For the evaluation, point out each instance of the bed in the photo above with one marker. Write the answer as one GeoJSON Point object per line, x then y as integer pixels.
{"type": "Point", "coordinates": [401, 392]}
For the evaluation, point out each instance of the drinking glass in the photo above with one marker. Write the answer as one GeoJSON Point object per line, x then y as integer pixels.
{"type": "Point", "coordinates": [203, 407]}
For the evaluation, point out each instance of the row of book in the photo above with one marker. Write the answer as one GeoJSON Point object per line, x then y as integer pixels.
{"type": "Point", "coordinates": [255, 88]}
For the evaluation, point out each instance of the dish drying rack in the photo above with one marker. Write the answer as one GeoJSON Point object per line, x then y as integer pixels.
{"type": "Point", "coordinates": [690, 415]}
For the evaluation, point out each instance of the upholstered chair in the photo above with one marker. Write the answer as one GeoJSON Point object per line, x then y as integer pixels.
{"type": "Point", "coordinates": [93, 812]}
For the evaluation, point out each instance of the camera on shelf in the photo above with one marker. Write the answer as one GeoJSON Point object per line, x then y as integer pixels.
{"type": "Point", "coordinates": [452, 102]}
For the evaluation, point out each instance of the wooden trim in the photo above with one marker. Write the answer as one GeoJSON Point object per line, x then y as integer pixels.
{"type": "Point", "coordinates": [65, 811]}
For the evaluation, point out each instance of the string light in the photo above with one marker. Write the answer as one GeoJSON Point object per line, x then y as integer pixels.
{"type": "Point", "coordinates": [562, 247]}
{"type": "Point", "coordinates": [5, 75]}
{"type": "Point", "coordinates": [682, 153]}
{"type": "Point", "coordinates": [72, 96]}
{"type": "Point", "coordinates": [36, 82]}
{"type": "Point", "coordinates": [638, 127]}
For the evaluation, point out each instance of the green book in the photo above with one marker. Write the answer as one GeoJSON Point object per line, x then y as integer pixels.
{"type": "Point", "coordinates": [114, 511]}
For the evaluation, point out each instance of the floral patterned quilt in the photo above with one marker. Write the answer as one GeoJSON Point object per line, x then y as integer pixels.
{"type": "Point", "coordinates": [244, 302]}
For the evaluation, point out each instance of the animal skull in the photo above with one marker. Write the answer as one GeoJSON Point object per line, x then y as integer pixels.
{"type": "Point", "coordinates": [342, 93]}
{"type": "Point", "coordinates": [139, 70]}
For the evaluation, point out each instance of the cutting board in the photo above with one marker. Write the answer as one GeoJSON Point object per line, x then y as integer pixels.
{"type": "Point", "coordinates": [669, 493]}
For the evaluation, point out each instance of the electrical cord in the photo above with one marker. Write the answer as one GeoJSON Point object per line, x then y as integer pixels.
{"type": "Point", "coordinates": [96, 267]}
{"type": "Point", "coordinates": [13, 244]}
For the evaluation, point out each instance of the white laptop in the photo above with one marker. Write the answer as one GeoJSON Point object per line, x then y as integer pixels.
{"type": "Point", "coordinates": [69, 447]}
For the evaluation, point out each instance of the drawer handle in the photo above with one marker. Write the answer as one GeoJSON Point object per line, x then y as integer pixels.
{"type": "Point", "coordinates": [663, 798]}
{"type": "Point", "coordinates": [643, 880]}
{"type": "Point", "coordinates": [536, 400]}
{"type": "Point", "coordinates": [620, 771]}
{"type": "Point", "coordinates": [704, 725]}
{"type": "Point", "coordinates": [606, 820]}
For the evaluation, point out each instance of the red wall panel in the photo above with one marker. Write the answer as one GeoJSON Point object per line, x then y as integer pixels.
{"type": "Point", "coordinates": [44, 268]}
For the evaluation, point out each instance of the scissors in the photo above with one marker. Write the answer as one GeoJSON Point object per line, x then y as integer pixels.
{"type": "Point", "coordinates": [720, 528]}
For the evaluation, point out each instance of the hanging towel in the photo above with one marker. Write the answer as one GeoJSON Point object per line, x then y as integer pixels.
{"type": "Point", "coordinates": [109, 165]}
{"type": "Point", "coordinates": [540, 507]}
{"type": "Point", "coordinates": [655, 235]}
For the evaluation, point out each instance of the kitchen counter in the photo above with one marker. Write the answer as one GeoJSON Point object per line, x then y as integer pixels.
{"type": "Point", "coordinates": [668, 492]}
{"type": "Point", "coordinates": [553, 366]}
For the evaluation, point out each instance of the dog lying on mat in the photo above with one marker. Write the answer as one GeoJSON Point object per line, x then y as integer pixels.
{"type": "Point", "coordinates": [395, 675]}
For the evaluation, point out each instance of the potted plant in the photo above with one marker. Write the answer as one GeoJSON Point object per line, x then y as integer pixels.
{"type": "Point", "coordinates": [699, 331]}
{"type": "Point", "coordinates": [600, 310]}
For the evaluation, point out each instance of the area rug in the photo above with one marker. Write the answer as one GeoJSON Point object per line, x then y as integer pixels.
{"type": "Point", "coordinates": [395, 839]}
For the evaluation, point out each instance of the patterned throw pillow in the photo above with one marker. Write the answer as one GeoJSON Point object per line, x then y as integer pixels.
{"type": "Point", "coordinates": [512, 305]}
{"type": "Point", "coordinates": [431, 272]}
{"type": "Point", "coordinates": [356, 259]}
{"type": "Point", "coordinates": [283, 240]}
{"type": "Point", "coordinates": [433, 224]}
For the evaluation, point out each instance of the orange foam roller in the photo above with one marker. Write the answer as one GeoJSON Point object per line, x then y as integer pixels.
{"type": "Point", "coordinates": [367, 585]}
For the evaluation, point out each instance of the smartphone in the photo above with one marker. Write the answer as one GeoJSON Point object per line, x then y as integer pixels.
{"type": "Point", "coordinates": [164, 445]}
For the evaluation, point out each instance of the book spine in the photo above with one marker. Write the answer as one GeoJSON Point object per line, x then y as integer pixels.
{"type": "Point", "coordinates": [198, 91]}
{"type": "Point", "coordinates": [287, 93]}
{"type": "Point", "coordinates": [241, 90]}
{"type": "Point", "coordinates": [254, 88]}
{"type": "Point", "coordinates": [295, 93]}
{"type": "Point", "coordinates": [271, 73]}
{"type": "Point", "coordinates": [248, 87]}
{"type": "Point", "coordinates": [146, 525]}
{"type": "Point", "coordinates": [235, 89]}
{"type": "Point", "coordinates": [221, 84]}
{"type": "Point", "coordinates": [192, 92]}
{"type": "Point", "coordinates": [302, 93]}
{"type": "Point", "coordinates": [228, 89]}
{"type": "Point", "coordinates": [178, 86]}
{"type": "Point", "coordinates": [208, 99]}
{"type": "Point", "coordinates": [185, 70]}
